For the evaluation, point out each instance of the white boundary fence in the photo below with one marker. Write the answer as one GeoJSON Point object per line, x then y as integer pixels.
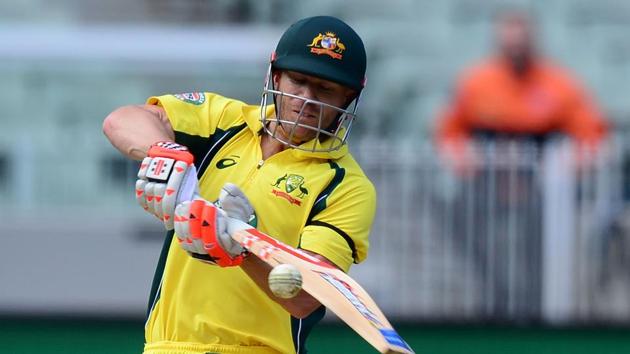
{"type": "Point", "coordinates": [527, 237]}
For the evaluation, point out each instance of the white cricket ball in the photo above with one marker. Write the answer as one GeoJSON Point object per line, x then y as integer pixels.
{"type": "Point", "coordinates": [285, 281]}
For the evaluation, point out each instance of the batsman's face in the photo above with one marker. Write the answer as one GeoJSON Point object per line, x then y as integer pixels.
{"type": "Point", "coordinates": [307, 113]}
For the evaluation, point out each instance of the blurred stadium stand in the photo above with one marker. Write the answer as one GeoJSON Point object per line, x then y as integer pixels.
{"type": "Point", "coordinates": [526, 239]}
{"type": "Point", "coordinates": [66, 194]}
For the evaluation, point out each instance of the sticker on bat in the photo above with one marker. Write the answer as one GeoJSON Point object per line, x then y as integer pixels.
{"type": "Point", "coordinates": [346, 291]}
{"type": "Point", "coordinates": [267, 251]}
{"type": "Point", "coordinates": [249, 240]}
{"type": "Point", "coordinates": [393, 338]}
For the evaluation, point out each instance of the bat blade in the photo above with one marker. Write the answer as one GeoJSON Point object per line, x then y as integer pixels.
{"type": "Point", "coordinates": [330, 286]}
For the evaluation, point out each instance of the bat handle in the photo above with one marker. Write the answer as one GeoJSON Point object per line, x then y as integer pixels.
{"type": "Point", "coordinates": [235, 225]}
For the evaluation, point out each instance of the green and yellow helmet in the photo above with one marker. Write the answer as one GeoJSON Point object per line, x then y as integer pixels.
{"type": "Point", "coordinates": [327, 48]}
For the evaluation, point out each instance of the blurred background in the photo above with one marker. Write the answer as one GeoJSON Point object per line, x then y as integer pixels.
{"type": "Point", "coordinates": [530, 255]}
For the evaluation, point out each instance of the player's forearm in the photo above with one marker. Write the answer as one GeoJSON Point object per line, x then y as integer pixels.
{"type": "Point", "coordinates": [133, 129]}
{"type": "Point", "coordinates": [299, 306]}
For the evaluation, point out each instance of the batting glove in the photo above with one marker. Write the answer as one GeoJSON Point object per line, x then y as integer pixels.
{"type": "Point", "coordinates": [167, 177]}
{"type": "Point", "coordinates": [202, 227]}
{"type": "Point", "coordinates": [236, 204]}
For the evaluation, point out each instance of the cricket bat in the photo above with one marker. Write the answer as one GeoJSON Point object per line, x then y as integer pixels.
{"type": "Point", "coordinates": [330, 286]}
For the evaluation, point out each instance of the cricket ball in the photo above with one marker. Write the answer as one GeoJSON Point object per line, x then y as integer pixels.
{"type": "Point", "coordinates": [285, 281]}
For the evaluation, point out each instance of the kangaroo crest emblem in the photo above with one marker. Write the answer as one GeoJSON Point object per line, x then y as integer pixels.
{"type": "Point", "coordinates": [293, 182]}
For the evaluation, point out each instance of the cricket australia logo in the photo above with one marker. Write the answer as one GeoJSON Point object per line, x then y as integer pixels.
{"type": "Point", "coordinates": [328, 44]}
{"type": "Point", "coordinates": [294, 189]}
{"type": "Point", "coordinates": [196, 98]}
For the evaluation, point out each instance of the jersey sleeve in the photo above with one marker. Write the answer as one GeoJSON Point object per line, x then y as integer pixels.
{"type": "Point", "coordinates": [340, 230]}
{"type": "Point", "coordinates": [197, 117]}
{"type": "Point", "coordinates": [189, 113]}
{"type": "Point", "coordinates": [199, 113]}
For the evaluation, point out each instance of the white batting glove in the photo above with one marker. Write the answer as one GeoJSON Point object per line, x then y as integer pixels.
{"type": "Point", "coordinates": [236, 204]}
{"type": "Point", "coordinates": [167, 177]}
{"type": "Point", "coordinates": [201, 227]}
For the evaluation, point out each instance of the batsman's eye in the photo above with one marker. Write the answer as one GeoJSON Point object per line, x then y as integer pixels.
{"type": "Point", "coordinates": [325, 89]}
{"type": "Point", "coordinates": [297, 81]}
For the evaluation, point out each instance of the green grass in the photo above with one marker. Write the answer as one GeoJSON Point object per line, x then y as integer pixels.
{"type": "Point", "coordinates": [481, 340]}
{"type": "Point", "coordinates": [72, 336]}
{"type": "Point", "coordinates": [32, 336]}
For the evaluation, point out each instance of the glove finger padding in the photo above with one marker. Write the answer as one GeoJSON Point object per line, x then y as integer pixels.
{"type": "Point", "coordinates": [158, 196]}
{"type": "Point", "coordinates": [140, 196]}
{"type": "Point", "coordinates": [182, 229]}
{"type": "Point", "coordinates": [142, 172]}
{"type": "Point", "coordinates": [187, 224]}
{"type": "Point", "coordinates": [216, 239]}
{"type": "Point", "coordinates": [201, 230]}
{"type": "Point", "coordinates": [194, 225]}
{"type": "Point", "coordinates": [181, 186]}
{"type": "Point", "coordinates": [148, 193]}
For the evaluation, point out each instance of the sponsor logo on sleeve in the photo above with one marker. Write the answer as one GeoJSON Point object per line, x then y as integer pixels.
{"type": "Point", "coordinates": [196, 98]}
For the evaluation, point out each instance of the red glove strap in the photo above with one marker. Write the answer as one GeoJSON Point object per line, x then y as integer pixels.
{"type": "Point", "coordinates": [171, 150]}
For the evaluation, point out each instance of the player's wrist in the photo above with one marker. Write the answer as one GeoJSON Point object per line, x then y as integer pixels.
{"type": "Point", "coordinates": [170, 149]}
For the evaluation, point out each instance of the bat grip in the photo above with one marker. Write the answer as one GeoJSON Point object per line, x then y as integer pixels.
{"type": "Point", "coordinates": [234, 225]}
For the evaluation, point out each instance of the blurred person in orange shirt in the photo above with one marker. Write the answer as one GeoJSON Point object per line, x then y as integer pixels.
{"type": "Point", "coordinates": [516, 93]}
{"type": "Point", "coordinates": [514, 96]}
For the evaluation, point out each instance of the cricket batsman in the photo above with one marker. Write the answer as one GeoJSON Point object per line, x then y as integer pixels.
{"type": "Point", "coordinates": [283, 166]}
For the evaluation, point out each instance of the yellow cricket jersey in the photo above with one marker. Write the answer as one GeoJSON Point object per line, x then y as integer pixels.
{"type": "Point", "coordinates": [321, 202]}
